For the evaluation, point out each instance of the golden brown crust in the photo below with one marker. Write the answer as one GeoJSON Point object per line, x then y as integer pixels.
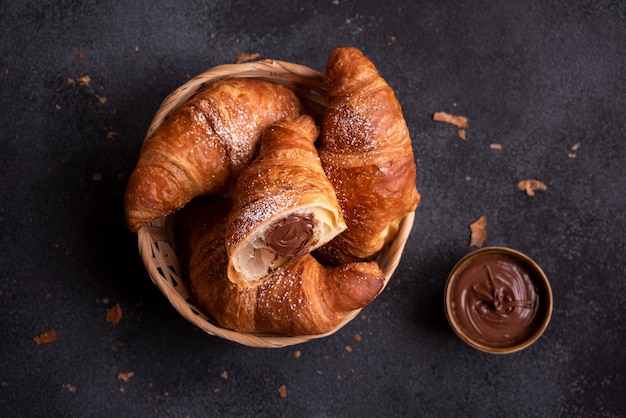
{"type": "Point", "coordinates": [204, 145]}
{"type": "Point", "coordinates": [300, 298]}
{"type": "Point", "coordinates": [285, 180]}
{"type": "Point", "coordinates": [367, 154]}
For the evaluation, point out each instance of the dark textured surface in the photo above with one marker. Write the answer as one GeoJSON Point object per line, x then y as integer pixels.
{"type": "Point", "coordinates": [536, 77]}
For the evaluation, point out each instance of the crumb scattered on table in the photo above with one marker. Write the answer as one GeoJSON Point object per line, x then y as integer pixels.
{"type": "Point", "coordinates": [478, 232]}
{"type": "Point", "coordinates": [114, 314]}
{"type": "Point", "coordinates": [529, 186]}
{"type": "Point", "coordinates": [47, 337]}
{"type": "Point", "coordinates": [84, 80]}
{"type": "Point", "coordinates": [244, 57]}
{"type": "Point", "coordinates": [125, 376]}
{"type": "Point", "coordinates": [458, 121]}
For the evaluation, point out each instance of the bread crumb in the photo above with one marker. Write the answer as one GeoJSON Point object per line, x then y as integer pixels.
{"type": "Point", "coordinates": [84, 80]}
{"type": "Point", "coordinates": [114, 314]}
{"type": "Point", "coordinates": [496, 146]}
{"type": "Point", "coordinates": [297, 354]}
{"type": "Point", "coordinates": [70, 388]}
{"type": "Point", "coordinates": [575, 146]}
{"type": "Point", "coordinates": [101, 99]}
{"type": "Point", "coordinates": [458, 121]}
{"type": "Point", "coordinates": [348, 349]}
{"type": "Point", "coordinates": [125, 376]}
{"type": "Point", "coordinates": [282, 391]}
{"type": "Point", "coordinates": [530, 185]}
{"type": "Point", "coordinates": [47, 337]}
{"type": "Point", "coordinates": [96, 177]}
{"type": "Point", "coordinates": [478, 232]}
{"type": "Point", "coordinates": [462, 134]}
{"type": "Point", "coordinates": [357, 338]}
{"type": "Point", "coordinates": [224, 375]}
{"type": "Point", "coordinates": [80, 57]}
{"type": "Point", "coordinates": [244, 57]}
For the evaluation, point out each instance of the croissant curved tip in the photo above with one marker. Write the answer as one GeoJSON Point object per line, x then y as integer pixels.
{"type": "Point", "coordinates": [358, 284]}
{"type": "Point", "coordinates": [346, 69]}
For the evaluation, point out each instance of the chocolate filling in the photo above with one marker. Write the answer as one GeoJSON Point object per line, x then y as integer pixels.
{"type": "Point", "coordinates": [289, 236]}
{"type": "Point", "coordinates": [496, 299]}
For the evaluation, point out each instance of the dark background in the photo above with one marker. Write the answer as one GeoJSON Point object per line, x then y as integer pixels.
{"type": "Point", "coordinates": [537, 77]}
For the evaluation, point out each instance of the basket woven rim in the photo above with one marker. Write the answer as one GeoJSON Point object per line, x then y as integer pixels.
{"type": "Point", "coordinates": [155, 240]}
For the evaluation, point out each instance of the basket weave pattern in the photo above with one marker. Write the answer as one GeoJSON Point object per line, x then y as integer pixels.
{"type": "Point", "coordinates": [156, 245]}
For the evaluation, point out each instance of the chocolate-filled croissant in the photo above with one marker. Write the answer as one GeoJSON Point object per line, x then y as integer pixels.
{"type": "Point", "coordinates": [366, 152]}
{"type": "Point", "coordinates": [284, 205]}
{"type": "Point", "coordinates": [299, 298]}
{"type": "Point", "coordinates": [203, 146]}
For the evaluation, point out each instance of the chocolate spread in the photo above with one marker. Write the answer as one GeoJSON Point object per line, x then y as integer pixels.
{"type": "Point", "coordinates": [289, 236]}
{"type": "Point", "coordinates": [495, 299]}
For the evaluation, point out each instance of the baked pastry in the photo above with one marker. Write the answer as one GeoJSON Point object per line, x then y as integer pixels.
{"type": "Point", "coordinates": [299, 298]}
{"type": "Point", "coordinates": [203, 146]}
{"type": "Point", "coordinates": [284, 205]}
{"type": "Point", "coordinates": [366, 152]}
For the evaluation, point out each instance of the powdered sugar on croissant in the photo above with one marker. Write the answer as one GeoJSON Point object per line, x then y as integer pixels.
{"type": "Point", "coordinates": [366, 152]}
{"type": "Point", "coordinates": [299, 298]}
{"type": "Point", "coordinates": [284, 205]}
{"type": "Point", "coordinates": [203, 146]}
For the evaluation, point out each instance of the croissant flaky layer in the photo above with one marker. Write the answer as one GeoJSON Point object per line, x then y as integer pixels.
{"type": "Point", "coordinates": [366, 152]}
{"type": "Point", "coordinates": [284, 205]}
{"type": "Point", "coordinates": [299, 298]}
{"type": "Point", "coordinates": [204, 145]}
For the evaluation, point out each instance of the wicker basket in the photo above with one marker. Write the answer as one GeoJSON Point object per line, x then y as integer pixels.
{"type": "Point", "coordinates": [156, 245]}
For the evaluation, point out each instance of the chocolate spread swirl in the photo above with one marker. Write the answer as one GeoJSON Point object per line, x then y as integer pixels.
{"type": "Point", "coordinates": [495, 299]}
{"type": "Point", "coordinates": [289, 236]}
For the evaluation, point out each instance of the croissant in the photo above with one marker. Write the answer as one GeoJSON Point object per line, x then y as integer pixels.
{"type": "Point", "coordinates": [366, 152]}
{"type": "Point", "coordinates": [299, 298]}
{"type": "Point", "coordinates": [203, 146]}
{"type": "Point", "coordinates": [284, 205]}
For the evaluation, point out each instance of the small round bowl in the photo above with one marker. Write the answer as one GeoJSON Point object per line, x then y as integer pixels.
{"type": "Point", "coordinates": [498, 300]}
